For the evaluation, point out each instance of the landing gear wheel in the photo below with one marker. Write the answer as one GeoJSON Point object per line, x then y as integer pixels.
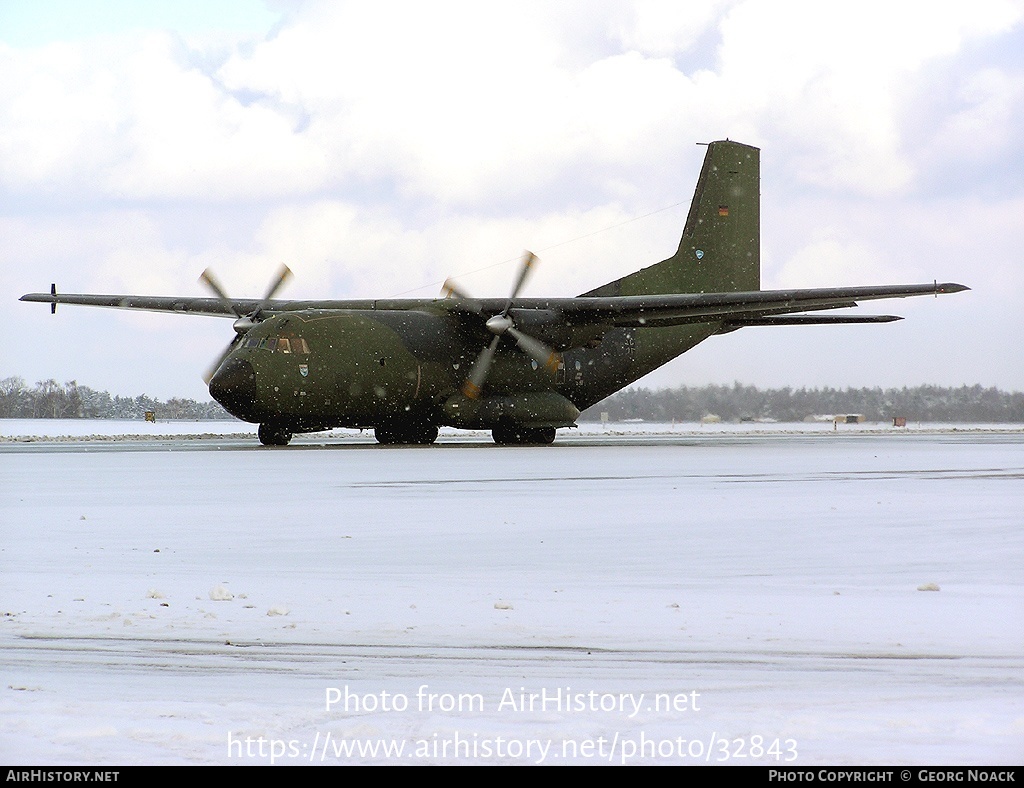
{"type": "Point", "coordinates": [274, 435]}
{"type": "Point", "coordinates": [410, 434]}
{"type": "Point", "coordinates": [543, 436]}
{"type": "Point", "coordinates": [523, 436]}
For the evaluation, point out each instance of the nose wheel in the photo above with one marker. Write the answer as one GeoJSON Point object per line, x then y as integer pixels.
{"type": "Point", "coordinates": [274, 435]}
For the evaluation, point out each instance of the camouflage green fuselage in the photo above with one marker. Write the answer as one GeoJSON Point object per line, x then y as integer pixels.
{"type": "Point", "coordinates": [365, 368]}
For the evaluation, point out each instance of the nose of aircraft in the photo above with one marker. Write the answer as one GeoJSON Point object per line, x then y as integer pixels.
{"type": "Point", "coordinates": [234, 387]}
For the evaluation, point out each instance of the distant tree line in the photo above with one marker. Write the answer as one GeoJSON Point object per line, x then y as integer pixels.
{"type": "Point", "coordinates": [49, 399]}
{"type": "Point", "coordinates": [737, 402]}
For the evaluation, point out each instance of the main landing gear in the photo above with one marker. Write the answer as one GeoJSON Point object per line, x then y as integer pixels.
{"type": "Point", "coordinates": [274, 435]}
{"type": "Point", "coordinates": [414, 434]}
{"type": "Point", "coordinates": [523, 436]}
{"type": "Point", "coordinates": [422, 435]}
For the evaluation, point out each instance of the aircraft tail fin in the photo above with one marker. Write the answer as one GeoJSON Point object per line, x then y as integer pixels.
{"type": "Point", "coordinates": [720, 250]}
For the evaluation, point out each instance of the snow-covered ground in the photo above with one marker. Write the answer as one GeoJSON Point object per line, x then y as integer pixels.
{"type": "Point", "coordinates": [78, 430]}
{"type": "Point", "coordinates": [736, 593]}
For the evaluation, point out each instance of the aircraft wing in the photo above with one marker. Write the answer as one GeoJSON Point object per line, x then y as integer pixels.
{"type": "Point", "coordinates": [189, 305]}
{"type": "Point", "coordinates": [670, 310]}
{"type": "Point", "coordinates": [758, 307]}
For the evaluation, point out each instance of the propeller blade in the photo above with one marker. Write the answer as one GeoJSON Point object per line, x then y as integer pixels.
{"type": "Point", "coordinates": [207, 278]}
{"type": "Point", "coordinates": [500, 325]}
{"type": "Point", "coordinates": [528, 261]}
{"type": "Point", "coordinates": [284, 273]}
{"type": "Point", "coordinates": [450, 289]}
{"type": "Point", "coordinates": [244, 322]}
{"type": "Point", "coordinates": [535, 349]}
{"type": "Point", "coordinates": [208, 375]}
{"type": "Point", "coordinates": [478, 374]}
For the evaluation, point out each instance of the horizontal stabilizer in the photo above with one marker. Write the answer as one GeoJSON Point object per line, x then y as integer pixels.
{"type": "Point", "coordinates": [810, 320]}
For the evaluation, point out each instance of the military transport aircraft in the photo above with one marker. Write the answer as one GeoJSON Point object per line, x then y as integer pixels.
{"type": "Point", "coordinates": [520, 367]}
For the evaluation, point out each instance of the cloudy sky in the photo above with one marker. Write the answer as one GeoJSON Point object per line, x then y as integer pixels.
{"type": "Point", "coordinates": [378, 148]}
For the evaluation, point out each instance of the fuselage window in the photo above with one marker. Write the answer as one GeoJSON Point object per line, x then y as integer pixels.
{"type": "Point", "coordinates": [283, 345]}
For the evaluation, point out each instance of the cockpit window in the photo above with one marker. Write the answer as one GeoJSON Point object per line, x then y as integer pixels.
{"type": "Point", "coordinates": [291, 344]}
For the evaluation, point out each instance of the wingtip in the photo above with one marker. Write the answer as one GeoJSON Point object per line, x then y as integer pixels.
{"type": "Point", "coordinates": [950, 287]}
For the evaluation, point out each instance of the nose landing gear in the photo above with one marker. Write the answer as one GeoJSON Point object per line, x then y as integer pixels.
{"type": "Point", "coordinates": [274, 434]}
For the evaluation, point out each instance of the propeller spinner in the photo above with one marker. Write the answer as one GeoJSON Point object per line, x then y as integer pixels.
{"type": "Point", "coordinates": [244, 321]}
{"type": "Point", "coordinates": [500, 325]}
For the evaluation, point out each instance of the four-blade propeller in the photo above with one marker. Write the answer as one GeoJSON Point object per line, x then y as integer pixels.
{"type": "Point", "coordinates": [244, 322]}
{"type": "Point", "coordinates": [499, 325]}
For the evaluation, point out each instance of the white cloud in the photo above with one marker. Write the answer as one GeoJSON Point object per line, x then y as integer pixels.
{"type": "Point", "coordinates": [460, 101]}
{"type": "Point", "coordinates": [667, 27]}
{"type": "Point", "coordinates": [832, 261]}
{"type": "Point", "coordinates": [989, 121]}
{"type": "Point", "coordinates": [56, 115]}
{"type": "Point", "coordinates": [830, 78]}
{"type": "Point", "coordinates": [131, 119]}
